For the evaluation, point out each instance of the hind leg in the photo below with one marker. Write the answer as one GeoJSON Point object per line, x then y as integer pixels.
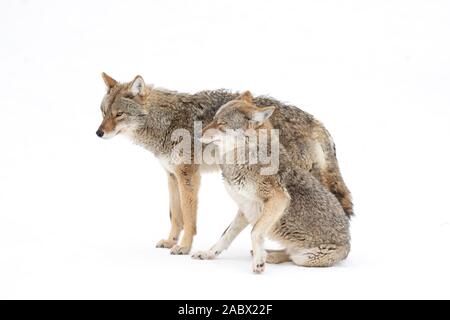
{"type": "Point", "coordinates": [322, 256]}
{"type": "Point", "coordinates": [277, 256]}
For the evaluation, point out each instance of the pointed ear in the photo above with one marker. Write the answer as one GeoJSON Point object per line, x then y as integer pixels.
{"type": "Point", "coordinates": [261, 115]}
{"type": "Point", "coordinates": [110, 82]}
{"type": "Point", "coordinates": [137, 86]}
{"type": "Point", "coordinates": [246, 96]}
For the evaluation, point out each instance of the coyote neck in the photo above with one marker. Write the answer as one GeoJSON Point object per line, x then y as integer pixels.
{"type": "Point", "coordinates": [167, 111]}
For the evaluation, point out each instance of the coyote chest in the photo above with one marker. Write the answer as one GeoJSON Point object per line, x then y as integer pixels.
{"type": "Point", "coordinates": [247, 200]}
{"type": "Point", "coordinates": [166, 163]}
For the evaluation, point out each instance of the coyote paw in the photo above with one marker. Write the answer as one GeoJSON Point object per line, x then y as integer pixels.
{"type": "Point", "coordinates": [259, 263]}
{"type": "Point", "coordinates": [259, 267]}
{"type": "Point", "coordinates": [166, 243]}
{"type": "Point", "coordinates": [204, 255]}
{"type": "Point", "coordinates": [176, 249]}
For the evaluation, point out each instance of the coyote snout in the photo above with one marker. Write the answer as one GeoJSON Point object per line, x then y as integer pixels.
{"type": "Point", "coordinates": [108, 129]}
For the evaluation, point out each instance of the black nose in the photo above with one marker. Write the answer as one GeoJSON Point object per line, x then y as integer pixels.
{"type": "Point", "coordinates": [100, 133]}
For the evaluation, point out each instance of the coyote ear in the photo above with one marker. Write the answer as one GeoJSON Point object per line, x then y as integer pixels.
{"type": "Point", "coordinates": [262, 114]}
{"type": "Point", "coordinates": [110, 82]}
{"type": "Point", "coordinates": [246, 96]}
{"type": "Point", "coordinates": [137, 86]}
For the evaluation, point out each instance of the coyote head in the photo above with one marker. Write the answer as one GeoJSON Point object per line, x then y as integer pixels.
{"type": "Point", "coordinates": [236, 119]}
{"type": "Point", "coordinates": [122, 106]}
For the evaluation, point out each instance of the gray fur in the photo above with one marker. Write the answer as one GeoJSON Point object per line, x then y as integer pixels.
{"type": "Point", "coordinates": [151, 118]}
{"type": "Point", "coordinates": [313, 227]}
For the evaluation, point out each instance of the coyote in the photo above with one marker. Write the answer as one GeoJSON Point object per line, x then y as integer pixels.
{"type": "Point", "coordinates": [290, 206]}
{"type": "Point", "coordinates": [149, 116]}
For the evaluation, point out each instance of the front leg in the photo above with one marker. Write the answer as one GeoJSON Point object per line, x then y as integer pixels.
{"type": "Point", "coordinates": [176, 217]}
{"type": "Point", "coordinates": [188, 179]}
{"type": "Point", "coordinates": [272, 211]}
{"type": "Point", "coordinates": [237, 225]}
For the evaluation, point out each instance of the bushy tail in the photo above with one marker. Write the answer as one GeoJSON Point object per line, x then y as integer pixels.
{"type": "Point", "coordinates": [332, 178]}
{"type": "Point", "coordinates": [337, 186]}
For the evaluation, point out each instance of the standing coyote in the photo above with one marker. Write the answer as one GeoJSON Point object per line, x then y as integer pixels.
{"type": "Point", "coordinates": [149, 116]}
{"type": "Point", "coordinates": [290, 206]}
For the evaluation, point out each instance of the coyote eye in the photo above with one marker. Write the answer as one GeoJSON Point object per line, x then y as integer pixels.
{"type": "Point", "coordinates": [119, 114]}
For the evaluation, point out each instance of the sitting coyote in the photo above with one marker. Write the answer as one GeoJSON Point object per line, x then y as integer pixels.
{"type": "Point", "coordinates": [149, 116]}
{"type": "Point", "coordinates": [290, 205]}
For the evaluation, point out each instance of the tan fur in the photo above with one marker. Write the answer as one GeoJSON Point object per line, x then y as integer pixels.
{"type": "Point", "coordinates": [277, 256]}
{"type": "Point", "coordinates": [176, 216]}
{"type": "Point", "coordinates": [110, 82]}
{"type": "Point", "coordinates": [272, 210]}
{"type": "Point", "coordinates": [246, 96]}
{"type": "Point", "coordinates": [108, 125]}
{"type": "Point", "coordinates": [188, 179]}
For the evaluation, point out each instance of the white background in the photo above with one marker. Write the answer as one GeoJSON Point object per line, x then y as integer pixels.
{"type": "Point", "coordinates": [80, 216]}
